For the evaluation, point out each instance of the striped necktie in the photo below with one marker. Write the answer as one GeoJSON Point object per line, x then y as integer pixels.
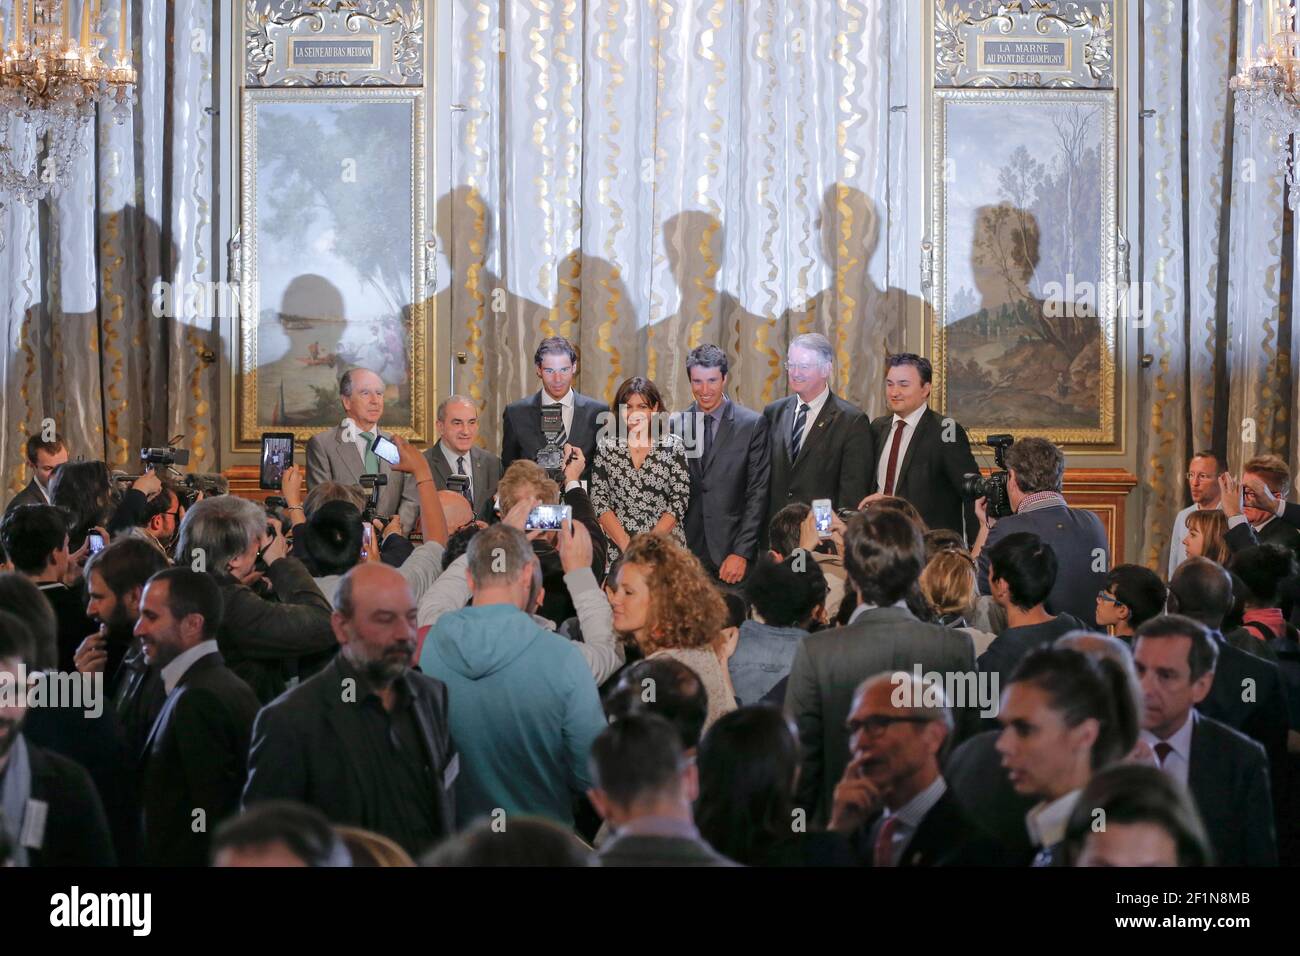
{"type": "Point", "coordinates": [796, 440]}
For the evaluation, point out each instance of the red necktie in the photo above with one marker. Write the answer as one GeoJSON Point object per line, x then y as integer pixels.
{"type": "Point", "coordinates": [883, 854]}
{"type": "Point", "coordinates": [893, 456]}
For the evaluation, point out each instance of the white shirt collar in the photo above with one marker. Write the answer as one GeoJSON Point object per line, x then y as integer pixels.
{"type": "Point", "coordinates": [566, 401]}
{"type": "Point", "coordinates": [173, 672]}
{"type": "Point", "coordinates": [1046, 821]}
{"type": "Point", "coordinates": [358, 428]}
{"type": "Point", "coordinates": [451, 455]}
{"type": "Point", "coordinates": [913, 812]}
{"type": "Point", "coordinates": [911, 419]}
{"type": "Point", "coordinates": [815, 406]}
{"type": "Point", "coordinates": [1180, 741]}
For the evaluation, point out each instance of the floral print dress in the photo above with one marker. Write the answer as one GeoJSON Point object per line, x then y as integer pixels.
{"type": "Point", "coordinates": [639, 497]}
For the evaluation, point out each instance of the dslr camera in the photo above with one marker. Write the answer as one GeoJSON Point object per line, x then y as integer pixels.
{"type": "Point", "coordinates": [993, 488]}
{"type": "Point", "coordinates": [374, 484]}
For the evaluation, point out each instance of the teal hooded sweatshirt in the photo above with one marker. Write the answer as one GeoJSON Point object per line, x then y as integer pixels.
{"type": "Point", "coordinates": [524, 711]}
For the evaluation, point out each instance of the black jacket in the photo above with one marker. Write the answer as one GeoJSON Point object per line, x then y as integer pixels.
{"type": "Point", "coordinates": [728, 504]}
{"type": "Point", "coordinates": [557, 606]}
{"type": "Point", "coordinates": [194, 760]}
{"type": "Point", "coordinates": [305, 746]}
{"type": "Point", "coordinates": [521, 428]}
{"type": "Point", "coordinates": [930, 474]}
{"type": "Point", "coordinates": [946, 837]}
{"type": "Point", "coordinates": [76, 830]}
{"type": "Point", "coordinates": [978, 782]}
{"type": "Point", "coordinates": [267, 642]}
{"type": "Point", "coordinates": [1248, 695]}
{"type": "Point", "coordinates": [30, 495]}
{"type": "Point", "coordinates": [1229, 780]}
{"type": "Point", "coordinates": [835, 456]}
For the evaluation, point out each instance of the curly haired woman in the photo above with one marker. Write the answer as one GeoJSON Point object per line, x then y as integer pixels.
{"type": "Point", "coordinates": [665, 602]}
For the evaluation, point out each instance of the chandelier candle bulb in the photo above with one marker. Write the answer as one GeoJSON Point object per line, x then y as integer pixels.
{"type": "Point", "coordinates": [85, 24]}
{"type": "Point", "coordinates": [1250, 30]}
{"type": "Point", "coordinates": [121, 35]}
{"type": "Point", "coordinates": [67, 23]}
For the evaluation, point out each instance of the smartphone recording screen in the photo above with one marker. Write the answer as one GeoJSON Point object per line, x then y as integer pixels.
{"type": "Point", "coordinates": [822, 516]}
{"type": "Point", "coordinates": [277, 455]}
{"type": "Point", "coordinates": [386, 450]}
{"type": "Point", "coordinates": [548, 518]}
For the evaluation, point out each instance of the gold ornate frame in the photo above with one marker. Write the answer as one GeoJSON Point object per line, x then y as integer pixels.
{"type": "Point", "coordinates": [1107, 433]}
{"type": "Point", "coordinates": [249, 429]}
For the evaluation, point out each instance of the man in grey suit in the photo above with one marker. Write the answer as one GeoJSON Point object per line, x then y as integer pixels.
{"type": "Point", "coordinates": [884, 555]}
{"type": "Point", "coordinates": [343, 454]}
{"type": "Point", "coordinates": [1075, 535]}
{"type": "Point", "coordinates": [454, 453]}
{"type": "Point", "coordinates": [729, 467]}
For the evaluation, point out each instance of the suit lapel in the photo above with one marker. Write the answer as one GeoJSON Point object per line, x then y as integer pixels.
{"type": "Point", "coordinates": [1200, 772]}
{"type": "Point", "coordinates": [813, 431]}
{"type": "Point", "coordinates": [438, 462]}
{"type": "Point", "coordinates": [351, 738]}
{"type": "Point", "coordinates": [349, 456]}
{"type": "Point", "coordinates": [724, 431]}
{"type": "Point", "coordinates": [786, 424]}
{"type": "Point", "coordinates": [478, 459]}
{"type": "Point", "coordinates": [924, 424]}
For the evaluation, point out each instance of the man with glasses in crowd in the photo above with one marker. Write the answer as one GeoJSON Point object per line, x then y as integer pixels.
{"type": "Point", "coordinates": [522, 434]}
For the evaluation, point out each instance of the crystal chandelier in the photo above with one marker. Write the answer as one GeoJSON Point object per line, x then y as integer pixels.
{"type": "Point", "coordinates": [50, 85]}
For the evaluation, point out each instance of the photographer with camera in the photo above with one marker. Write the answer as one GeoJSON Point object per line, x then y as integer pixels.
{"type": "Point", "coordinates": [1032, 501]}
{"type": "Point", "coordinates": [267, 640]}
{"type": "Point", "coordinates": [152, 504]}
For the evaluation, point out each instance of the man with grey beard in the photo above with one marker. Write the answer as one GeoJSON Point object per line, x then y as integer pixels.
{"type": "Point", "coordinates": [366, 740]}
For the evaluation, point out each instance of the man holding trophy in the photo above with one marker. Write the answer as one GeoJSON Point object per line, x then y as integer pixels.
{"type": "Point", "coordinates": [538, 428]}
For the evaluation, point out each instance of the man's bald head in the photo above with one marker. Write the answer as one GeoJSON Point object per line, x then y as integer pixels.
{"type": "Point", "coordinates": [375, 622]}
{"type": "Point", "coordinates": [363, 582]}
{"type": "Point", "coordinates": [1202, 590]}
{"type": "Point", "coordinates": [455, 509]}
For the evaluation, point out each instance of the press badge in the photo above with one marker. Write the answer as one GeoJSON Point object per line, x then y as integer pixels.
{"type": "Point", "coordinates": [32, 835]}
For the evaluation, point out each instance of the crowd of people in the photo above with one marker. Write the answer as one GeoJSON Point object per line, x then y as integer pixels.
{"type": "Point", "coordinates": [702, 665]}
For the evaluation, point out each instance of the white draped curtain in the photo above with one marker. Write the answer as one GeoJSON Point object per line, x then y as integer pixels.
{"type": "Point", "coordinates": [1218, 253]}
{"type": "Point", "coordinates": [643, 177]}
{"type": "Point", "coordinates": [78, 271]}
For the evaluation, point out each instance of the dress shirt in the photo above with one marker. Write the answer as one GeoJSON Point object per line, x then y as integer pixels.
{"type": "Point", "coordinates": [1178, 761]}
{"type": "Point", "coordinates": [909, 817]}
{"type": "Point", "coordinates": [363, 446]}
{"type": "Point", "coordinates": [45, 492]}
{"type": "Point", "coordinates": [566, 409]}
{"type": "Point", "coordinates": [910, 430]}
{"type": "Point", "coordinates": [451, 455]}
{"type": "Point", "coordinates": [174, 671]}
{"type": "Point", "coordinates": [814, 409]}
{"type": "Point", "coordinates": [864, 607]}
{"type": "Point", "coordinates": [1046, 821]}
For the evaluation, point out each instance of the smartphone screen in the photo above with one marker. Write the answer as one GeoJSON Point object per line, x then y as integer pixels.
{"type": "Point", "coordinates": [822, 514]}
{"type": "Point", "coordinates": [548, 518]}
{"type": "Point", "coordinates": [277, 455]}
{"type": "Point", "coordinates": [367, 539]}
{"type": "Point", "coordinates": [96, 542]}
{"type": "Point", "coordinates": [385, 449]}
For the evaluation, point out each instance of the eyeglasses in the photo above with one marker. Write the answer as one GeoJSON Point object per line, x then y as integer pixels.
{"type": "Point", "coordinates": [877, 724]}
{"type": "Point", "coordinates": [803, 366]}
{"type": "Point", "coordinates": [1109, 598]}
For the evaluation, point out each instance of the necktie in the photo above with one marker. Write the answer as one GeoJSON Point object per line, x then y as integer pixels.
{"type": "Point", "coordinates": [883, 854]}
{"type": "Point", "coordinates": [1163, 750]}
{"type": "Point", "coordinates": [892, 465]}
{"type": "Point", "coordinates": [708, 434]}
{"type": "Point", "coordinates": [796, 440]}
{"type": "Point", "coordinates": [563, 436]}
{"type": "Point", "coordinates": [460, 470]}
{"type": "Point", "coordinates": [370, 459]}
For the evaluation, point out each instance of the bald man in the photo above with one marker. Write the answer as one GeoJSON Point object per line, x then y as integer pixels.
{"type": "Point", "coordinates": [455, 453]}
{"type": "Point", "coordinates": [343, 454]}
{"type": "Point", "coordinates": [366, 740]}
{"type": "Point", "coordinates": [455, 508]}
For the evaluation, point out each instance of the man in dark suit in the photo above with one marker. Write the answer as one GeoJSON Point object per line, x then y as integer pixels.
{"type": "Point", "coordinates": [1225, 771]}
{"type": "Point", "coordinates": [50, 813]}
{"type": "Point", "coordinates": [194, 757]}
{"type": "Point", "coordinates": [821, 445]}
{"type": "Point", "coordinates": [42, 457]}
{"type": "Point", "coordinates": [556, 362]}
{"type": "Point", "coordinates": [884, 554]}
{"type": "Point", "coordinates": [1076, 535]}
{"type": "Point", "coordinates": [36, 539]}
{"type": "Point", "coordinates": [892, 801]}
{"type": "Point", "coordinates": [343, 453]}
{"type": "Point", "coordinates": [730, 466]}
{"type": "Point", "coordinates": [366, 740]}
{"type": "Point", "coordinates": [1247, 693]}
{"type": "Point", "coordinates": [455, 453]}
{"type": "Point", "coordinates": [920, 456]}
{"type": "Point", "coordinates": [643, 787]}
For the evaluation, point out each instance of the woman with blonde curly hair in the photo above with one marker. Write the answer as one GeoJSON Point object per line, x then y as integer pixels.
{"type": "Point", "coordinates": [665, 602]}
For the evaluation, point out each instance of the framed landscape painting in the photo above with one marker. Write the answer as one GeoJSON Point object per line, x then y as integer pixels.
{"type": "Point", "coordinates": [333, 271]}
{"type": "Point", "coordinates": [1026, 289]}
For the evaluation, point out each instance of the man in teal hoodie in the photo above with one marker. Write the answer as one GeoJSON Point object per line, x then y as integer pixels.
{"type": "Point", "coordinates": [523, 705]}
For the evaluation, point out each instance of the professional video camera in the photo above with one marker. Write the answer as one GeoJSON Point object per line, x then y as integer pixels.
{"type": "Point", "coordinates": [993, 488]}
{"type": "Point", "coordinates": [375, 485]}
{"type": "Point", "coordinates": [210, 485]}
{"type": "Point", "coordinates": [164, 457]}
